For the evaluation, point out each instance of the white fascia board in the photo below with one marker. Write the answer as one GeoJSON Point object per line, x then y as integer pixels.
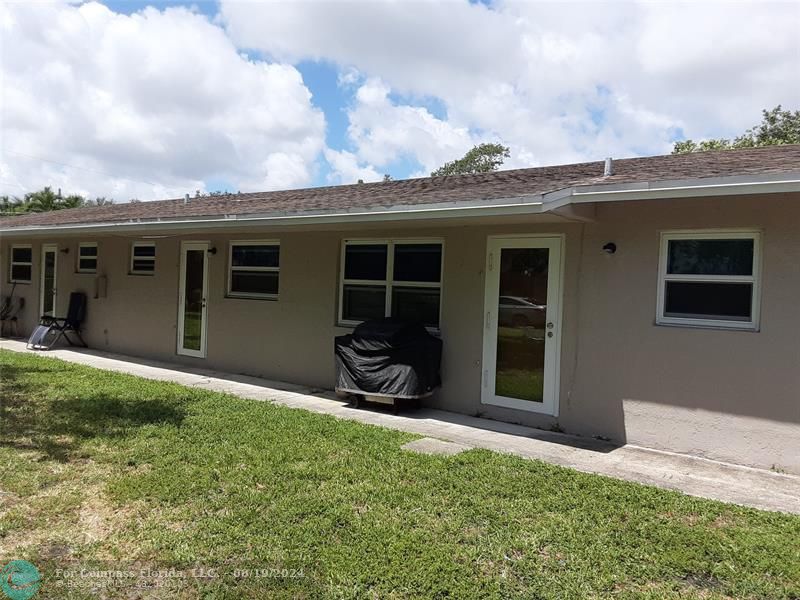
{"type": "Point", "coordinates": [521, 205]}
{"type": "Point", "coordinates": [678, 188]}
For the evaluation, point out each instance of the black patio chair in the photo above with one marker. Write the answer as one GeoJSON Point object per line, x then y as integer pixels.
{"type": "Point", "coordinates": [10, 308]}
{"type": "Point", "coordinates": [51, 329]}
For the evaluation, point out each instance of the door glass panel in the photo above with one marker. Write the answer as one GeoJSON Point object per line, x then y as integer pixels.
{"type": "Point", "coordinates": [193, 299]}
{"type": "Point", "coordinates": [522, 313]}
{"type": "Point", "coordinates": [49, 283]}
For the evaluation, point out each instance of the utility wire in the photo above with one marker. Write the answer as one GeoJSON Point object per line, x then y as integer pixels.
{"type": "Point", "coordinates": [10, 183]}
{"type": "Point", "coordinates": [99, 171]}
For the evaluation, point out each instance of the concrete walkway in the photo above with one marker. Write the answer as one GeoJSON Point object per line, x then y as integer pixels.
{"type": "Point", "coordinates": [694, 476]}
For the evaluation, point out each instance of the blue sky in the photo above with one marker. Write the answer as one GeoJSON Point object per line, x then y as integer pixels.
{"type": "Point", "coordinates": [320, 77]}
{"type": "Point", "coordinates": [232, 95]}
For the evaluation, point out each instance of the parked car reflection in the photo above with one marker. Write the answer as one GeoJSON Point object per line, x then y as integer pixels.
{"type": "Point", "coordinates": [515, 311]}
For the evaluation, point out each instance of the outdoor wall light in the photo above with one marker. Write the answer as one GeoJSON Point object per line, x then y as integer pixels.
{"type": "Point", "coordinates": [64, 251]}
{"type": "Point", "coordinates": [610, 248]}
{"type": "Point", "coordinates": [212, 250]}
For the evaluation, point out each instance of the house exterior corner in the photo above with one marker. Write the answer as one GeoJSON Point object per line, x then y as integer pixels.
{"type": "Point", "coordinates": [726, 393]}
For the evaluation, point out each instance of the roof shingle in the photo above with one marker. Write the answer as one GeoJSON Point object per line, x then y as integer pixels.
{"type": "Point", "coordinates": [433, 190]}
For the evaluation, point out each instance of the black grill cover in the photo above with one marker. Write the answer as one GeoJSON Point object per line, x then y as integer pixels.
{"type": "Point", "coordinates": [388, 357]}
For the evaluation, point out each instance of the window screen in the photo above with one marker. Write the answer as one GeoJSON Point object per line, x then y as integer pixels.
{"type": "Point", "coordinates": [87, 257]}
{"type": "Point", "coordinates": [709, 278]}
{"type": "Point", "coordinates": [143, 258]}
{"type": "Point", "coordinates": [254, 269]}
{"type": "Point", "coordinates": [21, 264]}
{"type": "Point", "coordinates": [392, 278]}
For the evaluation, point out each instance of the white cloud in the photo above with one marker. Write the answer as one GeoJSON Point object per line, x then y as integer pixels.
{"type": "Point", "coordinates": [412, 43]}
{"type": "Point", "coordinates": [156, 103]}
{"type": "Point", "coordinates": [346, 168]}
{"type": "Point", "coordinates": [148, 105]}
{"type": "Point", "coordinates": [384, 131]}
{"type": "Point", "coordinates": [557, 82]}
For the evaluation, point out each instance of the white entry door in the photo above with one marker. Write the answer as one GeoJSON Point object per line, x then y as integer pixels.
{"type": "Point", "coordinates": [49, 278]}
{"type": "Point", "coordinates": [522, 329]}
{"type": "Point", "coordinates": [192, 295]}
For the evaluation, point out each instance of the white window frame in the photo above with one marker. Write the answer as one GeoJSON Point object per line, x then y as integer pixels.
{"type": "Point", "coordinates": [95, 257]}
{"type": "Point", "coordinates": [230, 293]}
{"type": "Point", "coordinates": [12, 263]}
{"type": "Point", "coordinates": [389, 282]}
{"type": "Point", "coordinates": [710, 234]}
{"type": "Point", "coordinates": [150, 258]}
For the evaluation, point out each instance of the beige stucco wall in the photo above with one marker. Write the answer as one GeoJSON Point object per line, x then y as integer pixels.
{"type": "Point", "coordinates": [723, 394]}
{"type": "Point", "coordinates": [733, 395]}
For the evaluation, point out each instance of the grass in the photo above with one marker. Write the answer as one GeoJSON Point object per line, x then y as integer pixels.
{"type": "Point", "coordinates": [520, 363]}
{"type": "Point", "coordinates": [105, 470]}
{"type": "Point", "coordinates": [525, 384]}
{"type": "Point", "coordinates": [192, 330]}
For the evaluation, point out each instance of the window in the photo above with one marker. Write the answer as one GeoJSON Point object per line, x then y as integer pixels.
{"type": "Point", "coordinates": [20, 269]}
{"type": "Point", "coordinates": [399, 278]}
{"type": "Point", "coordinates": [87, 257]}
{"type": "Point", "coordinates": [254, 269]}
{"type": "Point", "coordinates": [143, 258]}
{"type": "Point", "coordinates": [709, 279]}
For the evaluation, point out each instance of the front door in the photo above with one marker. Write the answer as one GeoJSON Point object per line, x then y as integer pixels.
{"type": "Point", "coordinates": [522, 329]}
{"type": "Point", "coordinates": [47, 292]}
{"type": "Point", "coordinates": [192, 299]}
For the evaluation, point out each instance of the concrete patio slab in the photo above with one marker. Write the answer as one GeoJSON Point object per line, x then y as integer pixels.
{"type": "Point", "coordinates": [428, 445]}
{"type": "Point", "coordinates": [694, 476]}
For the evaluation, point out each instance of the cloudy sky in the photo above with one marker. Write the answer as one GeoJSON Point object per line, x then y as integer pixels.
{"type": "Point", "coordinates": [135, 99]}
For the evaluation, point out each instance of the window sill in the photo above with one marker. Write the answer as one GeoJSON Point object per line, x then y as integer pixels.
{"type": "Point", "coordinates": [85, 272]}
{"type": "Point", "coordinates": [135, 274]}
{"type": "Point", "coordinates": [722, 326]}
{"type": "Point", "coordinates": [269, 298]}
{"type": "Point", "coordinates": [353, 324]}
{"type": "Point", "coordinates": [20, 281]}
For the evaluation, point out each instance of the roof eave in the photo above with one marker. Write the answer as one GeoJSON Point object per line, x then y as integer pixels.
{"type": "Point", "coordinates": [517, 205]}
{"type": "Point", "coordinates": [733, 185]}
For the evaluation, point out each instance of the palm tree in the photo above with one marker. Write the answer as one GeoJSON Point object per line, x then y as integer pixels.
{"type": "Point", "coordinates": [9, 205]}
{"type": "Point", "coordinates": [41, 201]}
{"type": "Point", "coordinates": [100, 201]}
{"type": "Point", "coordinates": [72, 201]}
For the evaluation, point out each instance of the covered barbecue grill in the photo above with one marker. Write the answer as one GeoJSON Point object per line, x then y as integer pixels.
{"type": "Point", "coordinates": [388, 359]}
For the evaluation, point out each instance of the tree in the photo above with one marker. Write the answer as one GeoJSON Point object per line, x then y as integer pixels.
{"type": "Point", "coordinates": [9, 205]}
{"type": "Point", "coordinates": [72, 201]}
{"type": "Point", "coordinates": [777, 127]}
{"type": "Point", "coordinates": [42, 201]}
{"type": "Point", "coordinates": [100, 201]}
{"type": "Point", "coordinates": [483, 158]}
{"type": "Point", "coordinates": [45, 200]}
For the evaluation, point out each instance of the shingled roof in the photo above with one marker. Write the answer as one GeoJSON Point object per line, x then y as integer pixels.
{"type": "Point", "coordinates": [432, 190]}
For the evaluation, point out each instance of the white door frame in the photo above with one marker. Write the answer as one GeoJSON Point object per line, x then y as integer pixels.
{"type": "Point", "coordinates": [555, 295]}
{"type": "Point", "coordinates": [45, 249]}
{"type": "Point", "coordinates": [204, 246]}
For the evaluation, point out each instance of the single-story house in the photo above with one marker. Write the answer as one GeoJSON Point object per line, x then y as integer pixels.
{"type": "Point", "coordinates": [653, 301]}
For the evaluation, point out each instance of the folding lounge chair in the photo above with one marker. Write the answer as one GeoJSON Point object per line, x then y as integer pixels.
{"type": "Point", "coordinates": [51, 329]}
{"type": "Point", "coordinates": [10, 308]}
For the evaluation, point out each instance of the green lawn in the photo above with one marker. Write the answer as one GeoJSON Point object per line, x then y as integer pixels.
{"type": "Point", "coordinates": [524, 384]}
{"type": "Point", "coordinates": [115, 472]}
{"type": "Point", "coordinates": [192, 322]}
{"type": "Point", "coordinates": [520, 363]}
